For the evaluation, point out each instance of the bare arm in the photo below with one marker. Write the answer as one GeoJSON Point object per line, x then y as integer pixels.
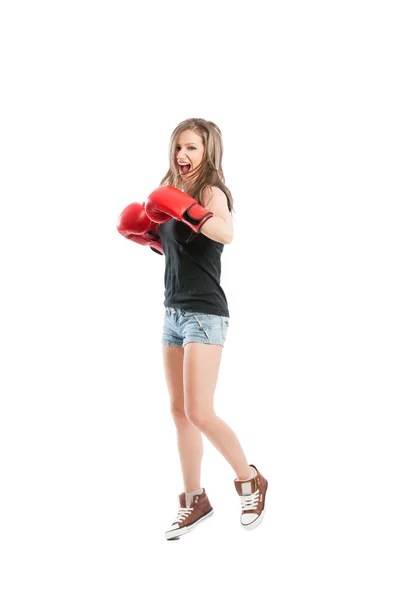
{"type": "Point", "coordinates": [220, 226]}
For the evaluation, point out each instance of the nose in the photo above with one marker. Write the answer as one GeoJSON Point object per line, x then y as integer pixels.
{"type": "Point", "coordinates": [181, 156]}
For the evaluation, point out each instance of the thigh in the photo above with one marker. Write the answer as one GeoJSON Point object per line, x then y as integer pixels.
{"type": "Point", "coordinates": [201, 368]}
{"type": "Point", "coordinates": [173, 363]}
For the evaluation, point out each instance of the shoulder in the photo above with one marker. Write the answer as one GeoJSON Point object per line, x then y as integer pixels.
{"type": "Point", "coordinates": [212, 192]}
{"type": "Point", "coordinates": [215, 199]}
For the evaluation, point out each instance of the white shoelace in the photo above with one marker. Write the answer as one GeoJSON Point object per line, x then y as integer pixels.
{"type": "Point", "coordinates": [250, 502]}
{"type": "Point", "coordinates": [183, 513]}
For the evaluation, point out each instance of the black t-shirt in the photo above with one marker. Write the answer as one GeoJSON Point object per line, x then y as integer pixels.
{"type": "Point", "coordinates": [192, 270]}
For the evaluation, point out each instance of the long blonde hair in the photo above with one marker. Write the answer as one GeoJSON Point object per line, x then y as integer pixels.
{"type": "Point", "coordinates": [209, 171]}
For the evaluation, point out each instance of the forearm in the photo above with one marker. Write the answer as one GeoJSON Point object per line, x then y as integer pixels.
{"type": "Point", "coordinates": [217, 229]}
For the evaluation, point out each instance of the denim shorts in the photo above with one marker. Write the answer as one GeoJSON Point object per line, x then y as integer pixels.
{"type": "Point", "coordinates": [182, 326]}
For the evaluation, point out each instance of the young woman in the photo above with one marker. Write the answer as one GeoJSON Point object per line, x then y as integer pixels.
{"type": "Point", "coordinates": [189, 219]}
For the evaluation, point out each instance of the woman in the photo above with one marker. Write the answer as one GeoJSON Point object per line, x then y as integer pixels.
{"type": "Point", "coordinates": [189, 219]}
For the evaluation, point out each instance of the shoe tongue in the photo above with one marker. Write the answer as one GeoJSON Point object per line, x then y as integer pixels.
{"type": "Point", "coordinates": [245, 488]}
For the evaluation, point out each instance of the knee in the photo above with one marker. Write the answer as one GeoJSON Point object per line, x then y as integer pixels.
{"type": "Point", "coordinates": [200, 418]}
{"type": "Point", "coordinates": [178, 414]}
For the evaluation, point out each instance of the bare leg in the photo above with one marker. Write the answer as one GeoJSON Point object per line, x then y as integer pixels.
{"type": "Point", "coordinates": [189, 438]}
{"type": "Point", "coordinates": [201, 367]}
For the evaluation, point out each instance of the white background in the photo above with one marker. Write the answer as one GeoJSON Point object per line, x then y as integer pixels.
{"type": "Point", "coordinates": [305, 94]}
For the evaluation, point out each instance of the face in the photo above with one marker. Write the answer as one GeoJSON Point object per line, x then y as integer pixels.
{"type": "Point", "coordinates": [189, 153]}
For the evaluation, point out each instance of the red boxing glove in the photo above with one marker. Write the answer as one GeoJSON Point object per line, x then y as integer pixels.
{"type": "Point", "coordinates": [167, 201]}
{"type": "Point", "coordinates": [134, 225]}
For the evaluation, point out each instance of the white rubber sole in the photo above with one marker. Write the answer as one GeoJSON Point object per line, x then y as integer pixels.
{"type": "Point", "coordinates": [255, 523]}
{"type": "Point", "coordinates": [175, 534]}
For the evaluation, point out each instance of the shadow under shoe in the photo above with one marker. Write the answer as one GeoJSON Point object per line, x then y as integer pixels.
{"type": "Point", "coordinates": [189, 516]}
{"type": "Point", "coordinates": [252, 497]}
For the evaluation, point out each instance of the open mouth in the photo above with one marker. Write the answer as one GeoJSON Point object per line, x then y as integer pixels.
{"type": "Point", "coordinates": [183, 169]}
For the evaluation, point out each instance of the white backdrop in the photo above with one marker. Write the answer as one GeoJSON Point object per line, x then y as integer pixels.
{"type": "Point", "coordinates": [305, 94]}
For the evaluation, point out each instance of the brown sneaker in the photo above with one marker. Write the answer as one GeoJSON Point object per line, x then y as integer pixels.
{"type": "Point", "coordinates": [252, 498]}
{"type": "Point", "coordinates": [189, 516]}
